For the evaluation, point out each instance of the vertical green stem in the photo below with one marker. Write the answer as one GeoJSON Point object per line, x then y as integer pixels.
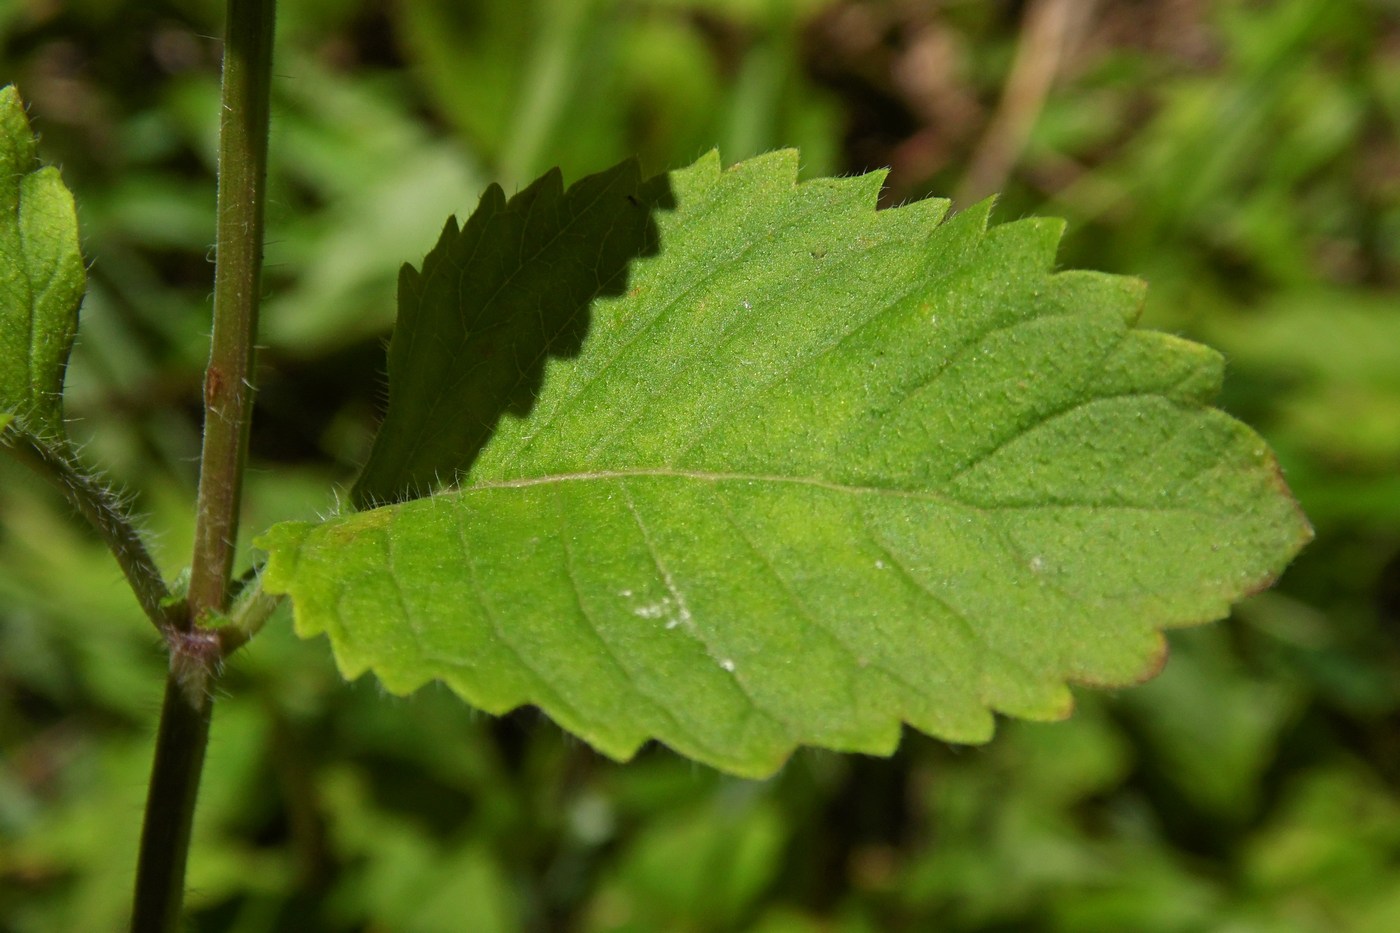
{"type": "Point", "coordinates": [165, 835]}
{"type": "Point", "coordinates": [228, 382]}
{"type": "Point", "coordinates": [195, 652]}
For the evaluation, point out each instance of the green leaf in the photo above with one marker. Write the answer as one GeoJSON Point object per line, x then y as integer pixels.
{"type": "Point", "coordinates": [492, 302]}
{"type": "Point", "coordinates": [819, 471]}
{"type": "Point", "coordinates": [41, 278]}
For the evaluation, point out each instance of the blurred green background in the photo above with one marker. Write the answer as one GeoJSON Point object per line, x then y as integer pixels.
{"type": "Point", "coordinates": [1241, 156]}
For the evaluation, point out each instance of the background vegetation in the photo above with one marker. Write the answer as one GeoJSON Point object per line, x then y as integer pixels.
{"type": "Point", "coordinates": [1241, 156]}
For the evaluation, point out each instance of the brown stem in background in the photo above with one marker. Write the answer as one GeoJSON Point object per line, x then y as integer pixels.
{"type": "Point", "coordinates": [1045, 38]}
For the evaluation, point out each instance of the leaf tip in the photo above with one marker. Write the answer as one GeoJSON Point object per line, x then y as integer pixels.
{"type": "Point", "coordinates": [548, 185]}
{"type": "Point", "coordinates": [977, 215]}
{"type": "Point", "coordinates": [492, 201]}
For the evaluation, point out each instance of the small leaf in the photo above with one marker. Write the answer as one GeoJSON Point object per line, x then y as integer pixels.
{"type": "Point", "coordinates": [821, 470]}
{"type": "Point", "coordinates": [41, 278]}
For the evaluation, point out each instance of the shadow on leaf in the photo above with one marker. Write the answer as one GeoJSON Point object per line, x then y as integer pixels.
{"type": "Point", "coordinates": [492, 302]}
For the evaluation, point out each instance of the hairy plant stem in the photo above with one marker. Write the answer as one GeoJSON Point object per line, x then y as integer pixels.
{"type": "Point", "coordinates": [105, 512]}
{"type": "Point", "coordinates": [196, 652]}
{"type": "Point", "coordinates": [228, 382]}
{"type": "Point", "coordinates": [170, 799]}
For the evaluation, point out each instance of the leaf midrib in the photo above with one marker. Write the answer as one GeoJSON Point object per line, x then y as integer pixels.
{"type": "Point", "coordinates": [712, 476]}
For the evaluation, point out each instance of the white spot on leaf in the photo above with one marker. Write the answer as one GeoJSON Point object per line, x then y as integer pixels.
{"type": "Point", "coordinates": [669, 608]}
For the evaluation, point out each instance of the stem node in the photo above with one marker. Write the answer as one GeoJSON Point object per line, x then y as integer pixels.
{"type": "Point", "coordinates": [196, 658]}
